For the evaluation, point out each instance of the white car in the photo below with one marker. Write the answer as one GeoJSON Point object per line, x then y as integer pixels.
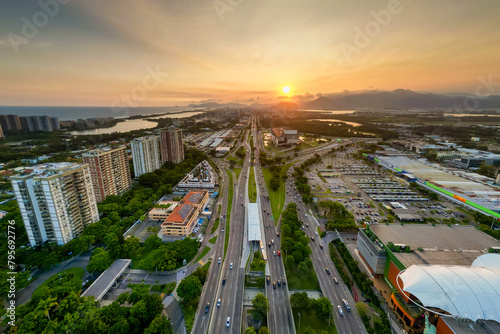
{"type": "Point", "coordinates": [219, 260]}
{"type": "Point", "coordinates": [231, 266]}
{"type": "Point", "coordinates": [218, 303]}
{"type": "Point", "coordinates": [228, 322]}
{"type": "Point", "coordinates": [316, 233]}
{"type": "Point", "coordinates": [340, 310]}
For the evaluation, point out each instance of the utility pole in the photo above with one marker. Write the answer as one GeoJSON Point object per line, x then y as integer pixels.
{"type": "Point", "coordinates": [299, 320]}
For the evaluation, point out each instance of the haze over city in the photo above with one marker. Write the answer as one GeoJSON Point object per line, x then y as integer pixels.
{"type": "Point", "coordinates": [89, 53]}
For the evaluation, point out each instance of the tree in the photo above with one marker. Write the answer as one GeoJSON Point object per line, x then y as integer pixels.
{"type": "Point", "coordinates": [201, 273]}
{"type": "Point", "coordinates": [120, 327]}
{"type": "Point", "coordinates": [152, 242]}
{"type": "Point", "coordinates": [300, 299]}
{"type": "Point", "coordinates": [432, 155]}
{"type": "Point", "coordinates": [189, 288]}
{"type": "Point", "coordinates": [264, 330]}
{"type": "Point", "coordinates": [303, 268]}
{"type": "Point", "coordinates": [275, 184]}
{"type": "Point", "coordinates": [250, 330]}
{"type": "Point", "coordinates": [46, 305]}
{"type": "Point", "coordinates": [139, 292]}
{"type": "Point", "coordinates": [159, 325]}
{"type": "Point", "coordinates": [260, 307]}
{"type": "Point", "coordinates": [322, 307]}
{"type": "Point", "coordinates": [487, 170]}
{"type": "Point", "coordinates": [99, 261]}
{"type": "Point", "coordinates": [122, 298]}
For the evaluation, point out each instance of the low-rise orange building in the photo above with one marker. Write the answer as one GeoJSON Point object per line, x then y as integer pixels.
{"type": "Point", "coordinates": [183, 218]}
{"type": "Point", "coordinates": [162, 210]}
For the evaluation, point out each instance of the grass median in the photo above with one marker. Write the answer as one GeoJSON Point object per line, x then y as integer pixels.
{"type": "Point", "coordinates": [308, 319]}
{"type": "Point", "coordinates": [203, 253]}
{"type": "Point", "coordinates": [215, 226]}
{"type": "Point", "coordinates": [277, 197]}
{"type": "Point", "coordinates": [252, 187]}
{"type": "Point", "coordinates": [228, 213]}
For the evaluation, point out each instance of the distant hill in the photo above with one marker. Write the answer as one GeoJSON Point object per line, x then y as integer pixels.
{"type": "Point", "coordinates": [287, 106]}
{"type": "Point", "coordinates": [399, 99]}
{"type": "Point", "coordinates": [218, 105]}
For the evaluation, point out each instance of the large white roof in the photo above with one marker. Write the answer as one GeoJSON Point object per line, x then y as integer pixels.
{"type": "Point", "coordinates": [465, 292]}
{"type": "Point", "coordinates": [254, 222]}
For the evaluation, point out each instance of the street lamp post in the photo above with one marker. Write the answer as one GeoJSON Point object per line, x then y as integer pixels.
{"type": "Point", "coordinates": [299, 320]}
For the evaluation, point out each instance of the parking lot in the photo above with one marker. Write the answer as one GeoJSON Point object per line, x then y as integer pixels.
{"type": "Point", "coordinates": [374, 195]}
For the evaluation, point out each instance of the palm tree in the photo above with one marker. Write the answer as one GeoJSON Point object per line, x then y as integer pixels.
{"type": "Point", "coordinates": [46, 305]}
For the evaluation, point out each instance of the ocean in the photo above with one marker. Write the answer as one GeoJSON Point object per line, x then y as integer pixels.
{"type": "Point", "coordinates": [74, 113]}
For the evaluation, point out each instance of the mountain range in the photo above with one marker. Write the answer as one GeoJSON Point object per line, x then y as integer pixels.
{"type": "Point", "coordinates": [397, 99]}
{"type": "Point", "coordinates": [401, 99]}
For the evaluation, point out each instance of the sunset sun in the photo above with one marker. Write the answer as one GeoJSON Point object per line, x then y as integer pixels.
{"type": "Point", "coordinates": [286, 89]}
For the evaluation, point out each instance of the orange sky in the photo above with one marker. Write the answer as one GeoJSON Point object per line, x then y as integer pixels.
{"type": "Point", "coordinates": [95, 52]}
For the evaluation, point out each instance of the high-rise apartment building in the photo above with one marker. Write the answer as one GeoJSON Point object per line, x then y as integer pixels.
{"type": "Point", "coordinates": [56, 201]}
{"type": "Point", "coordinates": [10, 122]}
{"type": "Point", "coordinates": [109, 171]}
{"type": "Point", "coordinates": [54, 121]}
{"type": "Point", "coordinates": [146, 154]}
{"type": "Point", "coordinates": [171, 145]}
{"type": "Point", "coordinates": [1, 133]}
{"type": "Point", "coordinates": [39, 123]}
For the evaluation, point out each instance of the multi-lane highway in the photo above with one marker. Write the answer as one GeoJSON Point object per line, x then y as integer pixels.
{"type": "Point", "coordinates": [233, 269]}
{"type": "Point", "coordinates": [280, 317]}
{"type": "Point", "coordinates": [226, 280]}
{"type": "Point", "coordinates": [210, 288]}
{"type": "Point", "coordinates": [349, 322]}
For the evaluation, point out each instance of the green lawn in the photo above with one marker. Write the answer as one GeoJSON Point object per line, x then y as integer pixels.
{"type": "Point", "coordinates": [236, 171]}
{"type": "Point", "coordinates": [203, 253]}
{"type": "Point", "coordinates": [252, 187]}
{"type": "Point", "coordinates": [77, 271]}
{"type": "Point", "coordinates": [213, 240]}
{"type": "Point", "coordinates": [165, 288]}
{"type": "Point", "coordinates": [216, 225]}
{"type": "Point", "coordinates": [277, 198]}
{"type": "Point", "coordinates": [189, 312]}
{"type": "Point", "coordinates": [308, 318]}
{"type": "Point", "coordinates": [238, 161]}
{"type": "Point", "coordinates": [228, 213]}
{"type": "Point", "coordinates": [299, 281]}
{"type": "Point", "coordinates": [136, 259]}
{"type": "Point", "coordinates": [257, 263]}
